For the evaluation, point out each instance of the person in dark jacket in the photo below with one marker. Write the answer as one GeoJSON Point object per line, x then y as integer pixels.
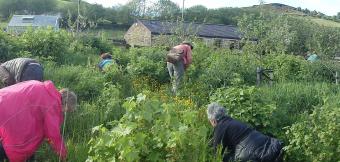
{"type": "Point", "coordinates": [19, 70]}
{"type": "Point", "coordinates": [239, 141]}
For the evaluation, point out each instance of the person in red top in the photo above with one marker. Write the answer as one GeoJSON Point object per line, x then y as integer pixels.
{"type": "Point", "coordinates": [30, 112]}
{"type": "Point", "coordinates": [176, 70]}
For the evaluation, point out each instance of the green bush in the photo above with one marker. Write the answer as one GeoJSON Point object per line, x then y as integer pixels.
{"type": "Point", "coordinates": [8, 47]}
{"type": "Point", "coordinates": [148, 62]}
{"type": "Point", "coordinates": [316, 136]}
{"type": "Point", "coordinates": [292, 68]}
{"type": "Point", "coordinates": [46, 43]}
{"type": "Point", "coordinates": [246, 104]}
{"type": "Point", "coordinates": [86, 82]}
{"type": "Point", "coordinates": [151, 131]}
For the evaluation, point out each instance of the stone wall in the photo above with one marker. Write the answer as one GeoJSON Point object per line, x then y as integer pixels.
{"type": "Point", "coordinates": [138, 35]}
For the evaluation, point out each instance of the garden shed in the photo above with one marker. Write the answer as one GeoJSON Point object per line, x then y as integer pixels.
{"type": "Point", "coordinates": [20, 23]}
{"type": "Point", "coordinates": [153, 32]}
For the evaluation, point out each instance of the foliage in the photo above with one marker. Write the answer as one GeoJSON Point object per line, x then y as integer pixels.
{"type": "Point", "coordinates": [151, 131]}
{"type": "Point", "coordinates": [246, 104]}
{"type": "Point", "coordinates": [289, 67]}
{"type": "Point", "coordinates": [8, 47]}
{"type": "Point", "coordinates": [46, 43]}
{"type": "Point", "coordinates": [316, 136]}
{"type": "Point", "coordinates": [88, 84]}
{"type": "Point", "coordinates": [8, 8]}
{"type": "Point", "coordinates": [148, 62]}
{"type": "Point", "coordinates": [288, 34]}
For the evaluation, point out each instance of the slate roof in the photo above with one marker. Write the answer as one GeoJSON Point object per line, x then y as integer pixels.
{"type": "Point", "coordinates": [201, 30]}
{"type": "Point", "coordinates": [33, 20]}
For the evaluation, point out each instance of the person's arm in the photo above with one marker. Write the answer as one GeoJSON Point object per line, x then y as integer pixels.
{"type": "Point", "coordinates": [5, 78]}
{"type": "Point", "coordinates": [217, 139]}
{"type": "Point", "coordinates": [52, 125]}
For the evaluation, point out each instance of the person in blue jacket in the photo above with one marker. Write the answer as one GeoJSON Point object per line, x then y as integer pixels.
{"type": "Point", "coordinates": [105, 62]}
{"type": "Point", "coordinates": [240, 142]}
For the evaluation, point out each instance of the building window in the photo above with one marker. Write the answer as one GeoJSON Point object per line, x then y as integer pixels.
{"type": "Point", "coordinates": [218, 42]}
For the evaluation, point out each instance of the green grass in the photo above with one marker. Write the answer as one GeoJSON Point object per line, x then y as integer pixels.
{"type": "Point", "coordinates": [3, 25]}
{"type": "Point", "coordinates": [324, 22]}
{"type": "Point", "coordinates": [63, 3]}
{"type": "Point", "coordinates": [117, 33]}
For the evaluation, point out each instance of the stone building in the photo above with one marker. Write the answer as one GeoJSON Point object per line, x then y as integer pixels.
{"type": "Point", "coordinates": [153, 32]}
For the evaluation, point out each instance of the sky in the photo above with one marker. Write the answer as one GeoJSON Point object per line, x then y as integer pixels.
{"type": "Point", "coordinates": [328, 7]}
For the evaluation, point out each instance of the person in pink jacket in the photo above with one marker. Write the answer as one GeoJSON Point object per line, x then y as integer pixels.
{"type": "Point", "coordinates": [176, 70]}
{"type": "Point", "coordinates": [30, 112]}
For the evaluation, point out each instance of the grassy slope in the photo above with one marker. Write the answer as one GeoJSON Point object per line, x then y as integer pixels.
{"type": "Point", "coordinates": [290, 11]}
{"type": "Point", "coordinates": [324, 22]}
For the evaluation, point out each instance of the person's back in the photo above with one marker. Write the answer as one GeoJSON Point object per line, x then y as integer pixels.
{"type": "Point", "coordinates": [103, 64]}
{"type": "Point", "coordinates": [230, 132]}
{"type": "Point", "coordinates": [176, 69]}
{"type": "Point", "coordinates": [29, 112]}
{"type": "Point", "coordinates": [244, 143]}
{"type": "Point", "coordinates": [20, 69]}
{"type": "Point", "coordinates": [313, 58]}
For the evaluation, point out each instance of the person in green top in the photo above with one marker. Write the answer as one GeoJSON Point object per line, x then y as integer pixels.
{"type": "Point", "coordinates": [312, 57]}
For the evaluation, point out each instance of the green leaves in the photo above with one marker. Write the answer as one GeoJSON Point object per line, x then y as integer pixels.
{"type": "Point", "coordinates": [315, 137]}
{"type": "Point", "coordinates": [151, 131]}
{"type": "Point", "coordinates": [246, 104]}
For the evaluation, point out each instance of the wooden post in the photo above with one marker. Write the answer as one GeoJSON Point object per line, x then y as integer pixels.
{"type": "Point", "coordinates": [271, 77]}
{"type": "Point", "coordinates": [258, 76]}
{"type": "Point", "coordinates": [336, 78]}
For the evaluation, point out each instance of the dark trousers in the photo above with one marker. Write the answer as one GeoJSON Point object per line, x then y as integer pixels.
{"type": "Point", "coordinates": [3, 155]}
{"type": "Point", "coordinates": [32, 71]}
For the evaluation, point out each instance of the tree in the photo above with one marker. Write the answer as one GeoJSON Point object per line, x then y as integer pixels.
{"type": "Point", "coordinates": [198, 13]}
{"type": "Point", "coordinates": [8, 8]}
{"type": "Point", "coordinates": [164, 10]}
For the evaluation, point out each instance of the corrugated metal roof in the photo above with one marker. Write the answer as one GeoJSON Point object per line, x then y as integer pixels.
{"type": "Point", "coordinates": [202, 30]}
{"type": "Point", "coordinates": [33, 20]}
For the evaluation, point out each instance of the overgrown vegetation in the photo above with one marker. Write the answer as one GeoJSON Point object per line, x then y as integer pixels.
{"type": "Point", "coordinates": [129, 114]}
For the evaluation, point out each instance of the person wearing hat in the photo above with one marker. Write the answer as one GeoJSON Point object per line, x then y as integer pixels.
{"type": "Point", "coordinates": [19, 70]}
{"type": "Point", "coordinates": [30, 112]}
{"type": "Point", "coordinates": [177, 68]}
{"type": "Point", "coordinates": [241, 142]}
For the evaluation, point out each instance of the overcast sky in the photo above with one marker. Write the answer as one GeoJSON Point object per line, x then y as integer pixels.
{"type": "Point", "coordinates": [328, 7]}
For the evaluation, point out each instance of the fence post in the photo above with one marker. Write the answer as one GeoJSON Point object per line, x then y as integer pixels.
{"type": "Point", "coordinates": [271, 77]}
{"type": "Point", "coordinates": [258, 76]}
{"type": "Point", "coordinates": [336, 78]}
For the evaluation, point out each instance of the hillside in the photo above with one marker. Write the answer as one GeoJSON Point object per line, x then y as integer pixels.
{"type": "Point", "coordinates": [289, 10]}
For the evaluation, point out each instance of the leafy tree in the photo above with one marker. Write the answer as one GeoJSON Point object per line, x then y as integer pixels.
{"type": "Point", "coordinates": [164, 10]}
{"type": "Point", "coordinates": [198, 13]}
{"type": "Point", "coordinates": [26, 7]}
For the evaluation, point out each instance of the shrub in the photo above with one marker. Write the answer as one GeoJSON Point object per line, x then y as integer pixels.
{"type": "Point", "coordinates": [86, 82]}
{"type": "Point", "coordinates": [151, 131]}
{"type": "Point", "coordinates": [316, 136]}
{"type": "Point", "coordinates": [148, 62]}
{"type": "Point", "coordinates": [46, 43]}
{"type": "Point", "coordinates": [246, 104]}
{"type": "Point", "coordinates": [8, 47]}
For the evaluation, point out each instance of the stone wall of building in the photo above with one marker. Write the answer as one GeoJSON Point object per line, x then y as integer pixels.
{"type": "Point", "coordinates": [138, 35]}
